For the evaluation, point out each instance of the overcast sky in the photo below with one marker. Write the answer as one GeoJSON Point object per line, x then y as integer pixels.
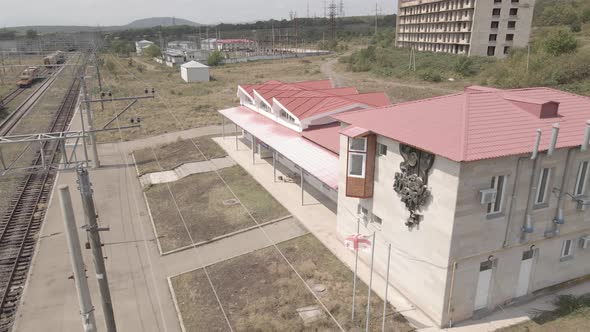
{"type": "Point", "coordinates": [120, 12]}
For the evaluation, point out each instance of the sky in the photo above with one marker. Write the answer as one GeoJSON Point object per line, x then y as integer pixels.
{"type": "Point", "coordinates": [120, 12]}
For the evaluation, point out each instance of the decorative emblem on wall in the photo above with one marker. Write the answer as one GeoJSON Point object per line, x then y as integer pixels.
{"type": "Point", "coordinates": [411, 183]}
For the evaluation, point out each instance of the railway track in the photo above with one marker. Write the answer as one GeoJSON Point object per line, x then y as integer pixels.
{"type": "Point", "coordinates": [8, 124]}
{"type": "Point", "coordinates": [21, 223]}
{"type": "Point", "coordinates": [11, 95]}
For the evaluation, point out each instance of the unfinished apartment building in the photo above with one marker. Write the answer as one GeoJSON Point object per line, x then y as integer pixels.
{"type": "Point", "coordinates": [469, 27]}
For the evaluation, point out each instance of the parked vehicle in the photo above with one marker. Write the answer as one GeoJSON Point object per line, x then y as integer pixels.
{"type": "Point", "coordinates": [55, 58]}
{"type": "Point", "coordinates": [28, 77]}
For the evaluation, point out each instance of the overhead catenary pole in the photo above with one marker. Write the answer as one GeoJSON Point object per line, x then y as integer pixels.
{"type": "Point", "coordinates": [99, 78]}
{"type": "Point", "coordinates": [368, 319]}
{"type": "Point", "coordinates": [92, 135]}
{"type": "Point", "coordinates": [86, 308]}
{"type": "Point", "coordinates": [96, 245]}
{"type": "Point", "coordinates": [386, 288]}
{"type": "Point", "coordinates": [356, 261]}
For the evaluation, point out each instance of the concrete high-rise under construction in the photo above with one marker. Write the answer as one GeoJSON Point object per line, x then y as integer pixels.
{"type": "Point", "coordinates": [470, 27]}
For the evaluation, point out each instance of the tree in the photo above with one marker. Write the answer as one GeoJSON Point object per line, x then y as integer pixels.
{"type": "Point", "coordinates": [215, 58]}
{"type": "Point", "coordinates": [152, 51]}
{"type": "Point", "coordinates": [559, 41]}
{"type": "Point", "coordinates": [121, 47]}
{"type": "Point", "coordinates": [31, 34]}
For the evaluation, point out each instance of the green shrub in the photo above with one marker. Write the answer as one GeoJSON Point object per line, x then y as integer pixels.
{"type": "Point", "coordinates": [215, 58]}
{"type": "Point", "coordinates": [559, 41]}
{"type": "Point", "coordinates": [152, 51]}
{"type": "Point", "coordinates": [431, 75]}
{"type": "Point", "coordinates": [464, 66]}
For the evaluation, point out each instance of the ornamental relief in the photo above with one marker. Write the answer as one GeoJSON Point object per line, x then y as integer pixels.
{"type": "Point", "coordinates": [411, 184]}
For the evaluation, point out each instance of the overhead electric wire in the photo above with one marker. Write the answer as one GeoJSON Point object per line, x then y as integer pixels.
{"type": "Point", "coordinates": [259, 226]}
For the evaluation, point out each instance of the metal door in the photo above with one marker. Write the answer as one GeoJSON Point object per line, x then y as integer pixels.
{"type": "Point", "coordinates": [524, 276]}
{"type": "Point", "coordinates": [483, 285]}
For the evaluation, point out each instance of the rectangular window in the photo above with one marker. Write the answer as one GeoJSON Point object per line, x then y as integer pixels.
{"type": "Point", "coordinates": [581, 179]}
{"type": "Point", "coordinates": [513, 11]}
{"type": "Point", "coordinates": [498, 183]}
{"type": "Point", "coordinates": [511, 24]}
{"type": "Point", "coordinates": [496, 11]}
{"type": "Point", "coordinates": [362, 211]}
{"type": "Point", "coordinates": [356, 164]}
{"type": "Point", "coordinates": [287, 116]}
{"type": "Point", "coordinates": [358, 144]}
{"type": "Point", "coordinates": [542, 186]}
{"type": "Point", "coordinates": [566, 249]}
{"type": "Point", "coordinates": [506, 49]}
{"type": "Point", "coordinates": [381, 149]}
{"type": "Point", "coordinates": [495, 24]}
{"type": "Point", "coordinates": [510, 37]}
{"type": "Point", "coordinates": [491, 50]}
{"type": "Point", "coordinates": [497, 1]}
{"type": "Point", "coordinates": [515, 1]}
{"type": "Point", "coordinates": [377, 221]}
{"type": "Point", "coordinates": [493, 37]}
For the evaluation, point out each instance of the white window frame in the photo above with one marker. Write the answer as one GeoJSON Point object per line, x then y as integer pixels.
{"type": "Point", "coordinates": [377, 224]}
{"type": "Point", "coordinates": [364, 139]}
{"type": "Point", "coordinates": [570, 249]}
{"type": "Point", "coordinates": [364, 164]}
{"type": "Point", "coordinates": [545, 192]}
{"type": "Point", "coordinates": [492, 208]}
{"type": "Point", "coordinates": [580, 188]}
{"type": "Point", "coordinates": [380, 147]}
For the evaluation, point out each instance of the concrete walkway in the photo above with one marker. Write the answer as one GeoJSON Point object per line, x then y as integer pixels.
{"type": "Point", "coordinates": [321, 221]}
{"type": "Point", "coordinates": [185, 170]}
{"type": "Point", "coordinates": [137, 273]}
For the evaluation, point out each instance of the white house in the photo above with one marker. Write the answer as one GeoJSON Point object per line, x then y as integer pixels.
{"type": "Point", "coordinates": [142, 45]}
{"type": "Point", "coordinates": [193, 71]}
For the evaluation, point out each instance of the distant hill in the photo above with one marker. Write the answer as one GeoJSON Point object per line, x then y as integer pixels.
{"type": "Point", "coordinates": [157, 21]}
{"type": "Point", "coordinates": [137, 24]}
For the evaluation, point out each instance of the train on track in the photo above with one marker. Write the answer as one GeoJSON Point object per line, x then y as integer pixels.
{"type": "Point", "coordinates": [55, 58]}
{"type": "Point", "coordinates": [28, 77]}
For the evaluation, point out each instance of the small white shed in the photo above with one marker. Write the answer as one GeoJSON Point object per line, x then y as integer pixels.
{"type": "Point", "coordinates": [193, 71]}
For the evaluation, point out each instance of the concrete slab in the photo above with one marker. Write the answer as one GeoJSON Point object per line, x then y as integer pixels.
{"type": "Point", "coordinates": [185, 170]}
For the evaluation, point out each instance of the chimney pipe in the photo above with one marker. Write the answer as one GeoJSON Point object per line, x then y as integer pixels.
{"type": "Point", "coordinates": [586, 137]}
{"type": "Point", "coordinates": [537, 143]}
{"type": "Point", "coordinates": [554, 134]}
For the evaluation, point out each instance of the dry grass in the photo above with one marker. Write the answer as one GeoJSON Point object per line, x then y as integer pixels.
{"type": "Point", "coordinates": [174, 154]}
{"type": "Point", "coordinates": [575, 322]}
{"type": "Point", "coordinates": [192, 105]}
{"type": "Point", "coordinates": [260, 292]}
{"type": "Point", "coordinates": [200, 200]}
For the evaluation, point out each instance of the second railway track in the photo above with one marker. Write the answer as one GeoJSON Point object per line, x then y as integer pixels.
{"type": "Point", "coordinates": [21, 222]}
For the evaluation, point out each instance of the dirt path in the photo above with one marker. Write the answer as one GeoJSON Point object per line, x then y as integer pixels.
{"type": "Point", "coordinates": [339, 79]}
{"type": "Point", "coordinates": [141, 61]}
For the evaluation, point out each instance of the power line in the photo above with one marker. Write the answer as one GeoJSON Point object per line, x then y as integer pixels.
{"type": "Point", "coordinates": [273, 243]}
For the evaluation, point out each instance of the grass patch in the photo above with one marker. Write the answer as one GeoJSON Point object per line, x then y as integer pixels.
{"type": "Point", "coordinates": [173, 154]}
{"type": "Point", "coordinates": [572, 313]}
{"type": "Point", "coordinates": [260, 292]}
{"type": "Point", "coordinates": [193, 105]}
{"type": "Point", "coordinates": [200, 200]}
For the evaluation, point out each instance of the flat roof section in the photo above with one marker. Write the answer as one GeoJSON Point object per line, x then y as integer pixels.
{"type": "Point", "coordinates": [314, 159]}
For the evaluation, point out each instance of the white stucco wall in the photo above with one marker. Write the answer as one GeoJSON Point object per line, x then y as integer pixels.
{"type": "Point", "coordinates": [195, 74]}
{"type": "Point", "coordinates": [420, 257]}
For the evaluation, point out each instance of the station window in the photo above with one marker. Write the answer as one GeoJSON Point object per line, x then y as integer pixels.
{"type": "Point", "coordinates": [495, 24]}
{"type": "Point", "coordinates": [356, 164]}
{"type": "Point", "coordinates": [567, 250]}
{"type": "Point", "coordinates": [498, 183]}
{"type": "Point", "coordinates": [543, 185]}
{"type": "Point", "coordinates": [510, 37]}
{"type": "Point", "coordinates": [358, 144]}
{"type": "Point", "coordinates": [381, 149]}
{"type": "Point", "coordinates": [493, 37]}
{"type": "Point", "coordinates": [377, 221]}
{"type": "Point", "coordinates": [496, 12]}
{"type": "Point", "coordinates": [513, 11]}
{"type": "Point", "coordinates": [581, 178]}
{"type": "Point", "coordinates": [511, 24]}
{"type": "Point", "coordinates": [506, 49]}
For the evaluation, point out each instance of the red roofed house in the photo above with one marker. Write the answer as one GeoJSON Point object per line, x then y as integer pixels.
{"type": "Point", "coordinates": [475, 218]}
{"type": "Point", "coordinates": [292, 124]}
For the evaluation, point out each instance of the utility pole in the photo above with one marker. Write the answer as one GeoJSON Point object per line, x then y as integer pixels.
{"type": "Point", "coordinates": [92, 135]}
{"type": "Point", "coordinates": [96, 245]}
{"type": "Point", "coordinates": [99, 78]}
{"type": "Point", "coordinates": [333, 13]}
{"type": "Point", "coordinates": [86, 308]}
{"type": "Point", "coordinates": [376, 15]}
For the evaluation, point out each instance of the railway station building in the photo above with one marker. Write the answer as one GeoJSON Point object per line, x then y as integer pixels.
{"type": "Point", "coordinates": [482, 194]}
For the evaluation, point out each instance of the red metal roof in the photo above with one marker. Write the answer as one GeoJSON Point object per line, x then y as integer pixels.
{"type": "Point", "coordinates": [480, 123]}
{"type": "Point", "coordinates": [308, 99]}
{"type": "Point", "coordinates": [314, 159]}
{"type": "Point", "coordinates": [325, 136]}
